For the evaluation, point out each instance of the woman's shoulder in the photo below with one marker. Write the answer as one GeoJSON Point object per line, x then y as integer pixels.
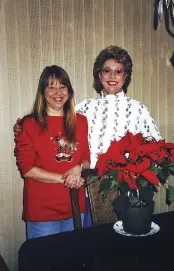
{"type": "Point", "coordinates": [136, 103]}
{"type": "Point", "coordinates": [80, 118]}
{"type": "Point", "coordinates": [28, 119]}
{"type": "Point", "coordinates": [28, 122]}
{"type": "Point", "coordinates": [86, 106]}
{"type": "Point", "coordinates": [86, 102]}
{"type": "Point", "coordinates": [81, 123]}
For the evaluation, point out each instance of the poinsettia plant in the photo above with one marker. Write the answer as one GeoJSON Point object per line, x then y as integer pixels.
{"type": "Point", "coordinates": [135, 162]}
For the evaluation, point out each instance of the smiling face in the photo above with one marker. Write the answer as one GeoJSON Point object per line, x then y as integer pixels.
{"type": "Point", "coordinates": [112, 76]}
{"type": "Point", "coordinates": [56, 95]}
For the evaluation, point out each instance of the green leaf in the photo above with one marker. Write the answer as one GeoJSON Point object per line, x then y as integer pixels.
{"type": "Point", "coordinates": [115, 183]}
{"type": "Point", "coordinates": [170, 193]}
{"type": "Point", "coordinates": [142, 182]}
{"type": "Point", "coordinates": [123, 186]}
{"type": "Point", "coordinates": [105, 185]}
{"type": "Point", "coordinates": [113, 173]}
{"type": "Point", "coordinates": [154, 168]}
{"type": "Point", "coordinates": [163, 174]}
{"type": "Point", "coordinates": [92, 179]}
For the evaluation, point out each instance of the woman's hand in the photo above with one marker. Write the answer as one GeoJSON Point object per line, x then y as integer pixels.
{"type": "Point", "coordinates": [73, 177]}
{"type": "Point", "coordinates": [17, 128]}
{"type": "Point", "coordinates": [73, 181]}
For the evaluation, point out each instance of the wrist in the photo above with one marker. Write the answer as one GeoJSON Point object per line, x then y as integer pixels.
{"type": "Point", "coordinates": [82, 166]}
{"type": "Point", "coordinates": [59, 178]}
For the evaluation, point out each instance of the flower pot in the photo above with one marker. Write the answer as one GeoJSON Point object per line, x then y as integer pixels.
{"type": "Point", "coordinates": [138, 219]}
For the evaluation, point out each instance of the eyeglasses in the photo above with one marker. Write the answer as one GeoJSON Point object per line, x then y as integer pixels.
{"type": "Point", "coordinates": [108, 71]}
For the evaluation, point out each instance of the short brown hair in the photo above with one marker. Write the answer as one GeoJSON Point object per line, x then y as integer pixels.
{"type": "Point", "coordinates": [118, 54]}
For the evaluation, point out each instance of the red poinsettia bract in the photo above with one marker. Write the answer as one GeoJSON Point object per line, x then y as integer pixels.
{"type": "Point", "coordinates": [132, 157]}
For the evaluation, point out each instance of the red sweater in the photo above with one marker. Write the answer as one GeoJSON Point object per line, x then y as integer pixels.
{"type": "Point", "coordinates": [50, 151]}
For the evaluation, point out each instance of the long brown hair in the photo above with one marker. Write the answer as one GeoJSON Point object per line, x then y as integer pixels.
{"type": "Point", "coordinates": [39, 108]}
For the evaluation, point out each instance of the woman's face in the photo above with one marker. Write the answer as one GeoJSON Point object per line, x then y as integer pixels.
{"type": "Point", "coordinates": [56, 95]}
{"type": "Point", "coordinates": [112, 76]}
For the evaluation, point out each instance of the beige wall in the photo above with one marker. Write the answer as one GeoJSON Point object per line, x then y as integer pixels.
{"type": "Point", "coordinates": [70, 33]}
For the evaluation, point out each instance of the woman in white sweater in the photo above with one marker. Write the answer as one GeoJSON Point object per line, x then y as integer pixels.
{"type": "Point", "coordinates": [114, 113]}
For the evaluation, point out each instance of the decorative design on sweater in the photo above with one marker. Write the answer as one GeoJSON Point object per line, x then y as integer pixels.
{"type": "Point", "coordinates": [64, 149]}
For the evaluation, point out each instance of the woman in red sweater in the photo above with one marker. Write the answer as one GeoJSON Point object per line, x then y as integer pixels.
{"type": "Point", "coordinates": [51, 152]}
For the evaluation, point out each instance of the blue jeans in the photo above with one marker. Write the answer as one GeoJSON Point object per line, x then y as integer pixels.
{"type": "Point", "coordinates": [87, 215]}
{"type": "Point", "coordinates": [38, 229]}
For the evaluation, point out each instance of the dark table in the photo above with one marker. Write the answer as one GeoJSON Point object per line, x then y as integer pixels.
{"type": "Point", "coordinates": [102, 249]}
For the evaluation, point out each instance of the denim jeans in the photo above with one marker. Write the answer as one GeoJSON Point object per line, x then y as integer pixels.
{"type": "Point", "coordinates": [38, 229]}
{"type": "Point", "coordinates": [87, 215]}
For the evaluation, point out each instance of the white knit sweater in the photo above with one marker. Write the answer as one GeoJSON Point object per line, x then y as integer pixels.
{"type": "Point", "coordinates": [110, 117]}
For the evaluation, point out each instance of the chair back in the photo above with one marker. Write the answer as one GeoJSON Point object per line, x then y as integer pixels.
{"type": "Point", "coordinates": [101, 209]}
{"type": "Point", "coordinates": [75, 209]}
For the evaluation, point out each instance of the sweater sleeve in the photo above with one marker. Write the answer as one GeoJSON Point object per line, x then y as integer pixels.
{"type": "Point", "coordinates": [24, 150]}
{"type": "Point", "coordinates": [148, 125]}
{"type": "Point", "coordinates": [79, 107]}
{"type": "Point", "coordinates": [83, 107]}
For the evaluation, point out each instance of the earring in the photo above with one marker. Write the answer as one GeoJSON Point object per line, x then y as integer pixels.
{"type": "Point", "coordinates": [102, 93]}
